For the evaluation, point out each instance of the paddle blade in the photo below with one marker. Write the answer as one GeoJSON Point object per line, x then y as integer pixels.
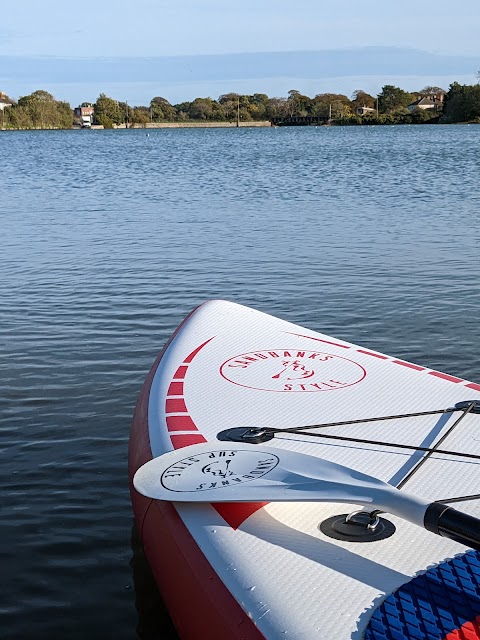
{"type": "Point", "coordinates": [222, 472]}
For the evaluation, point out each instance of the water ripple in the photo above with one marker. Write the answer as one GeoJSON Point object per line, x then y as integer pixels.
{"type": "Point", "coordinates": [110, 238]}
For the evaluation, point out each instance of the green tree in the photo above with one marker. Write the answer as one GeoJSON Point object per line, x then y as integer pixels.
{"type": "Point", "coordinates": [298, 104]}
{"type": "Point", "coordinates": [276, 108]}
{"type": "Point", "coordinates": [125, 112]}
{"type": "Point", "coordinates": [109, 111]}
{"type": "Point", "coordinates": [64, 115]}
{"type": "Point", "coordinates": [182, 110]}
{"type": "Point", "coordinates": [41, 110]}
{"type": "Point", "coordinates": [248, 107]}
{"type": "Point", "coordinates": [462, 103]}
{"type": "Point", "coordinates": [201, 109]}
{"type": "Point", "coordinates": [40, 106]}
{"type": "Point", "coordinates": [393, 99]}
{"type": "Point", "coordinates": [40, 95]}
{"type": "Point", "coordinates": [258, 106]}
{"type": "Point", "coordinates": [259, 98]}
{"type": "Point", "coordinates": [139, 115]}
{"type": "Point", "coordinates": [361, 99]}
{"type": "Point", "coordinates": [204, 109]}
{"type": "Point", "coordinates": [17, 117]}
{"type": "Point", "coordinates": [162, 110]}
{"type": "Point", "coordinates": [339, 105]}
{"type": "Point", "coordinates": [256, 111]}
{"type": "Point", "coordinates": [419, 116]}
{"type": "Point", "coordinates": [230, 103]}
{"type": "Point", "coordinates": [431, 91]}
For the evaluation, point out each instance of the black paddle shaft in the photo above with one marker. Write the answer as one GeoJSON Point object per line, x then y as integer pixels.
{"type": "Point", "coordinates": [450, 523]}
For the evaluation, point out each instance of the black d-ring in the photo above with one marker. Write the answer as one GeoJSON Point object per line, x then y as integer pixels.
{"type": "Point", "coordinates": [251, 435]}
{"type": "Point", "coordinates": [467, 403]}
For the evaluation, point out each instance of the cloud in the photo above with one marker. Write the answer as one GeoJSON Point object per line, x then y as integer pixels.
{"type": "Point", "coordinates": [226, 72]}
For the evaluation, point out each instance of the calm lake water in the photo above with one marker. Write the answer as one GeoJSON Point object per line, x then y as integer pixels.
{"type": "Point", "coordinates": [108, 239]}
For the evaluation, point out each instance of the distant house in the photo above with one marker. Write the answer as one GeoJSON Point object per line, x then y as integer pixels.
{"type": "Point", "coordinates": [5, 101]}
{"type": "Point", "coordinates": [427, 102]}
{"type": "Point", "coordinates": [363, 111]}
{"type": "Point", "coordinates": [85, 115]}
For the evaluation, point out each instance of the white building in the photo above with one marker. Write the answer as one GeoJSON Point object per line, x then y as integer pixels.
{"type": "Point", "coordinates": [427, 102]}
{"type": "Point", "coordinates": [363, 111]}
{"type": "Point", "coordinates": [85, 115]}
{"type": "Point", "coordinates": [5, 101]}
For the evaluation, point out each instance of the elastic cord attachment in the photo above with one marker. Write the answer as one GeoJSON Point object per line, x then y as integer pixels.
{"type": "Point", "coordinates": [473, 405]}
{"type": "Point", "coordinates": [447, 522]}
{"type": "Point", "coordinates": [252, 435]}
{"type": "Point", "coordinates": [359, 526]}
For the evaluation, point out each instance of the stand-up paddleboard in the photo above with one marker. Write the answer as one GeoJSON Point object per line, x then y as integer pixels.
{"type": "Point", "coordinates": [282, 553]}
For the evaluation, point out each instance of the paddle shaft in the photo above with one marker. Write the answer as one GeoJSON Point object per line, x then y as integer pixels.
{"type": "Point", "coordinates": [231, 472]}
{"type": "Point", "coordinates": [450, 523]}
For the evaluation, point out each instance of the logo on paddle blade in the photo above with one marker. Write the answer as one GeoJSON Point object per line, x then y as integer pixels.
{"type": "Point", "coordinates": [217, 470]}
{"type": "Point", "coordinates": [292, 370]}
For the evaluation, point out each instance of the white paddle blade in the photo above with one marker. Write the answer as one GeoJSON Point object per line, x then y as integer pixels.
{"type": "Point", "coordinates": [223, 472]}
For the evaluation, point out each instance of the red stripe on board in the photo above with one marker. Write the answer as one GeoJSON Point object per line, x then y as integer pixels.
{"type": "Point", "coordinates": [197, 599]}
{"type": "Point", "coordinates": [236, 513]}
{"type": "Point", "coordinates": [473, 385]}
{"type": "Point", "coordinates": [468, 631]}
{"type": "Point", "coordinates": [180, 423]}
{"type": "Point", "coordinates": [185, 440]}
{"type": "Point", "coordinates": [409, 365]}
{"type": "Point", "coordinates": [175, 405]}
{"type": "Point", "coordinates": [181, 372]}
{"type": "Point", "coordinates": [370, 353]}
{"type": "Point", "coordinates": [194, 353]}
{"type": "Point", "coordinates": [335, 344]}
{"type": "Point", "coordinates": [445, 376]}
{"type": "Point", "coordinates": [175, 389]}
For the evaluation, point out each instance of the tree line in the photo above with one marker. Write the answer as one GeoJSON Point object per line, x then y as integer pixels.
{"type": "Point", "coordinates": [38, 110]}
{"type": "Point", "coordinates": [389, 106]}
{"type": "Point", "coordinates": [461, 103]}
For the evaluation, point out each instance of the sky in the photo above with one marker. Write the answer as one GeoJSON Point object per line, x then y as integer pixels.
{"type": "Point", "coordinates": [183, 49]}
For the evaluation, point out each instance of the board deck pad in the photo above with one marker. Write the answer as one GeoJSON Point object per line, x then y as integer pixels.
{"type": "Point", "coordinates": [230, 366]}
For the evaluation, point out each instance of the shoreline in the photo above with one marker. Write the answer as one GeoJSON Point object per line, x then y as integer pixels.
{"type": "Point", "coordinates": [221, 125]}
{"type": "Point", "coordinates": [192, 125]}
{"type": "Point", "coordinates": [152, 125]}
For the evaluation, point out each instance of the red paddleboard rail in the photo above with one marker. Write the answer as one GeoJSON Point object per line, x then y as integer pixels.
{"type": "Point", "coordinates": [198, 601]}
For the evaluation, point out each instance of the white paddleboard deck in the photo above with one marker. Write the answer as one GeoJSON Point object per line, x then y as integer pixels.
{"type": "Point", "coordinates": [230, 366]}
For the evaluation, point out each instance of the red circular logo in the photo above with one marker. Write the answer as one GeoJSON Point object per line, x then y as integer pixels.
{"type": "Point", "coordinates": [288, 370]}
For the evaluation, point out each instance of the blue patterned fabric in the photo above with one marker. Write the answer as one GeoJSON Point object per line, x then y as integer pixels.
{"type": "Point", "coordinates": [432, 605]}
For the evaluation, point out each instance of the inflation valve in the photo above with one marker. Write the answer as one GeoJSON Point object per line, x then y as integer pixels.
{"type": "Point", "coordinates": [359, 526]}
